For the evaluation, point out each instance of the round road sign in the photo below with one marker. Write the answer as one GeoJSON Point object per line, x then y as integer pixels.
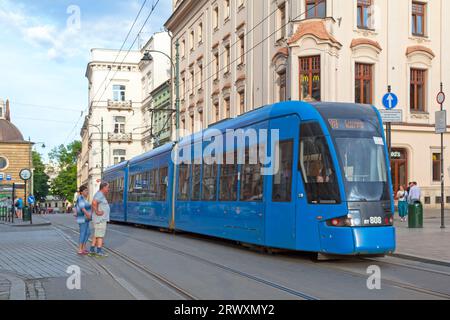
{"type": "Point", "coordinates": [25, 174]}
{"type": "Point", "coordinates": [440, 98]}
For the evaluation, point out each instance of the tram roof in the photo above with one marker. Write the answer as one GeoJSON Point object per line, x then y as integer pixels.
{"type": "Point", "coordinates": [152, 153]}
{"type": "Point", "coordinates": [303, 109]}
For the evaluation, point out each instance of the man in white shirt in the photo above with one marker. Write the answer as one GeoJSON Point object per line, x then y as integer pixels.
{"type": "Point", "coordinates": [414, 193]}
{"type": "Point", "coordinates": [100, 218]}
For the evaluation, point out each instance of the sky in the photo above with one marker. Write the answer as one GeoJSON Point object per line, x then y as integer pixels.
{"type": "Point", "coordinates": [44, 50]}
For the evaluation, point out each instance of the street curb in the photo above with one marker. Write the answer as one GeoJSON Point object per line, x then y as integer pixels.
{"type": "Point", "coordinates": [420, 259]}
{"type": "Point", "coordinates": [17, 290]}
{"type": "Point", "coordinates": [46, 224]}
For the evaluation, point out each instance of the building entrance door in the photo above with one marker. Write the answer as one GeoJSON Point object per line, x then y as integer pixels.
{"type": "Point", "coordinates": [399, 165]}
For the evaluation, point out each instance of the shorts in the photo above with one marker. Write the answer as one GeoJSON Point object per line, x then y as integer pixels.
{"type": "Point", "coordinates": [100, 229]}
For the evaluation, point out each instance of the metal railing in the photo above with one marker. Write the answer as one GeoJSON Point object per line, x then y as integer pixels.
{"type": "Point", "coordinates": [7, 214]}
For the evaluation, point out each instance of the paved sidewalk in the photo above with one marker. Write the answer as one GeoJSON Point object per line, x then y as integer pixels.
{"type": "Point", "coordinates": [38, 221]}
{"type": "Point", "coordinates": [430, 243]}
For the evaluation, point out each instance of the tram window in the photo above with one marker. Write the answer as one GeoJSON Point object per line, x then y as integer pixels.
{"type": "Point", "coordinates": [153, 179]}
{"type": "Point", "coordinates": [282, 180]}
{"type": "Point", "coordinates": [317, 166]}
{"type": "Point", "coordinates": [196, 181]}
{"type": "Point", "coordinates": [228, 178]}
{"type": "Point", "coordinates": [120, 189]}
{"type": "Point", "coordinates": [163, 180]}
{"type": "Point", "coordinates": [252, 180]}
{"type": "Point", "coordinates": [183, 181]}
{"type": "Point", "coordinates": [209, 182]}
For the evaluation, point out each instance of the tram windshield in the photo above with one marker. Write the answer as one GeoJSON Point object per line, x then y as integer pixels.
{"type": "Point", "coordinates": [361, 153]}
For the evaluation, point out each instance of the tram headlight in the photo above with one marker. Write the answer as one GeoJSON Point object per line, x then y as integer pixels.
{"type": "Point", "coordinates": [354, 218]}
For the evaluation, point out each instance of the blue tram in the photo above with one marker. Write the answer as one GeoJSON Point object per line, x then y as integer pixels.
{"type": "Point", "coordinates": [331, 191]}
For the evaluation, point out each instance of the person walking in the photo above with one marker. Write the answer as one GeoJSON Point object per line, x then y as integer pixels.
{"type": "Point", "coordinates": [402, 196]}
{"type": "Point", "coordinates": [19, 208]}
{"type": "Point", "coordinates": [84, 216]}
{"type": "Point", "coordinates": [101, 212]}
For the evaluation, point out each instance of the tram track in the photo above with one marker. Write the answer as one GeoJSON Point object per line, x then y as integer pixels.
{"type": "Point", "coordinates": [394, 283]}
{"type": "Point", "coordinates": [245, 275]}
{"type": "Point", "coordinates": [155, 276]}
{"type": "Point", "coordinates": [302, 295]}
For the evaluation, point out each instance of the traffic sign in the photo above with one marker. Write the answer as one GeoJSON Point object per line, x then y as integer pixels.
{"type": "Point", "coordinates": [441, 122]}
{"type": "Point", "coordinates": [31, 199]}
{"type": "Point", "coordinates": [2, 176]}
{"type": "Point", "coordinates": [392, 116]}
{"type": "Point", "coordinates": [390, 101]}
{"type": "Point", "coordinates": [8, 177]}
{"type": "Point", "coordinates": [25, 174]}
{"type": "Point", "coordinates": [440, 97]}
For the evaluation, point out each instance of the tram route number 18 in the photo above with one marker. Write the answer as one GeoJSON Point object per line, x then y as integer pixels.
{"type": "Point", "coordinates": [374, 220]}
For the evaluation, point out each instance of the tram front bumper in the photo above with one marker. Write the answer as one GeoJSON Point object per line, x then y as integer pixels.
{"type": "Point", "coordinates": [357, 240]}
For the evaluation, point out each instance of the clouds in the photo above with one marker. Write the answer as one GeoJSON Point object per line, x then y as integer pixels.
{"type": "Point", "coordinates": [45, 52]}
{"type": "Point", "coordinates": [73, 30]}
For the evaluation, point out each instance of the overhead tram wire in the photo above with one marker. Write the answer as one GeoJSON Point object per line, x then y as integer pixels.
{"type": "Point", "coordinates": [44, 106]}
{"type": "Point", "coordinates": [252, 48]}
{"type": "Point", "coordinates": [155, 4]}
{"type": "Point", "coordinates": [232, 45]}
{"type": "Point", "coordinates": [74, 128]}
{"type": "Point", "coordinates": [121, 48]}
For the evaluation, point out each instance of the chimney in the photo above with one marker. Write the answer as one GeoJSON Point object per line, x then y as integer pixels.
{"type": "Point", "coordinates": [7, 112]}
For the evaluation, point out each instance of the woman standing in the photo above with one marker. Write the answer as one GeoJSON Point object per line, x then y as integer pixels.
{"type": "Point", "coordinates": [402, 196]}
{"type": "Point", "coordinates": [84, 216]}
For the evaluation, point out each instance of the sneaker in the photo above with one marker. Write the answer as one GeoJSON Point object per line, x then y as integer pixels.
{"type": "Point", "coordinates": [101, 254]}
{"type": "Point", "coordinates": [92, 254]}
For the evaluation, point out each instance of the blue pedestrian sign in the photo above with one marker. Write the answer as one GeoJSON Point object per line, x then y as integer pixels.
{"type": "Point", "coordinates": [31, 199]}
{"type": "Point", "coordinates": [390, 101]}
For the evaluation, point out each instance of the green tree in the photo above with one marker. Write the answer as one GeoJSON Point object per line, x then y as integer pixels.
{"type": "Point", "coordinates": [65, 184]}
{"type": "Point", "coordinates": [40, 178]}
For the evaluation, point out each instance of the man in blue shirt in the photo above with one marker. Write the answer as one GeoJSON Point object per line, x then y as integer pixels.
{"type": "Point", "coordinates": [100, 218]}
{"type": "Point", "coordinates": [414, 193]}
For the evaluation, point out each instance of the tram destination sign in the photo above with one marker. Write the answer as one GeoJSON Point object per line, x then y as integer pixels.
{"type": "Point", "coordinates": [392, 116]}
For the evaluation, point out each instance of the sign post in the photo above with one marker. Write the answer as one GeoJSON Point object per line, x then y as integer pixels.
{"type": "Point", "coordinates": [25, 175]}
{"type": "Point", "coordinates": [390, 101]}
{"type": "Point", "coordinates": [441, 128]}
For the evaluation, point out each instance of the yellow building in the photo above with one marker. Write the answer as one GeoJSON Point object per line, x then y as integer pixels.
{"type": "Point", "coordinates": [14, 154]}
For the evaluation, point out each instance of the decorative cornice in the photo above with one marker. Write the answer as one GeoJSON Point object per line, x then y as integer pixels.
{"type": "Point", "coordinates": [414, 49]}
{"type": "Point", "coordinates": [282, 51]}
{"type": "Point", "coordinates": [365, 41]}
{"type": "Point", "coordinates": [315, 28]}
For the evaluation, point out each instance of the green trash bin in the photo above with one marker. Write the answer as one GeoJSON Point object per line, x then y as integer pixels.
{"type": "Point", "coordinates": [415, 215]}
{"type": "Point", "coordinates": [26, 214]}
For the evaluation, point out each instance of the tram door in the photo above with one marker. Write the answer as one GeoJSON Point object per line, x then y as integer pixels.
{"type": "Point", "coordinates": [281, 211]}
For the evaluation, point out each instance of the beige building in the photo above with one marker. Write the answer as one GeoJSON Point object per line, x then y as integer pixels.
{"type": "Point", "coordinates": [237, 55]}
{"type": "Point", "coordinates": [120, 87]}
{"type": "Point", "coordinates": [14, 156]}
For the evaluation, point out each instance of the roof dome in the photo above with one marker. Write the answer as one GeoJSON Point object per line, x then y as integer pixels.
{"type": "Point", "coordinates": [8, 131]}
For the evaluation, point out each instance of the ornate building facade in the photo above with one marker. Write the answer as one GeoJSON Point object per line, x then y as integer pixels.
{"type": "Point", "coordinates": [237, 55]}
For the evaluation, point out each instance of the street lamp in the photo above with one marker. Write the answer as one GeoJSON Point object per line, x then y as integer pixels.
{"type": "Point", "coordinates": [100, 129]}
{"type": "Point", "coordinates": [36, 144]}
{"type": "Point", "coordinates": [174, 66]}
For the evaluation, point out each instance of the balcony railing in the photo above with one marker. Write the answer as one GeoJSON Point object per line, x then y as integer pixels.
{"type": "Point", "coordinates": [120, 105]}
{"type": "Point", "coordinates": [120, 137]}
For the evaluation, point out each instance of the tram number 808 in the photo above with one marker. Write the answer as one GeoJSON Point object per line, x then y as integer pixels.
{"type": "Point", "coordinates": [374, 220]}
